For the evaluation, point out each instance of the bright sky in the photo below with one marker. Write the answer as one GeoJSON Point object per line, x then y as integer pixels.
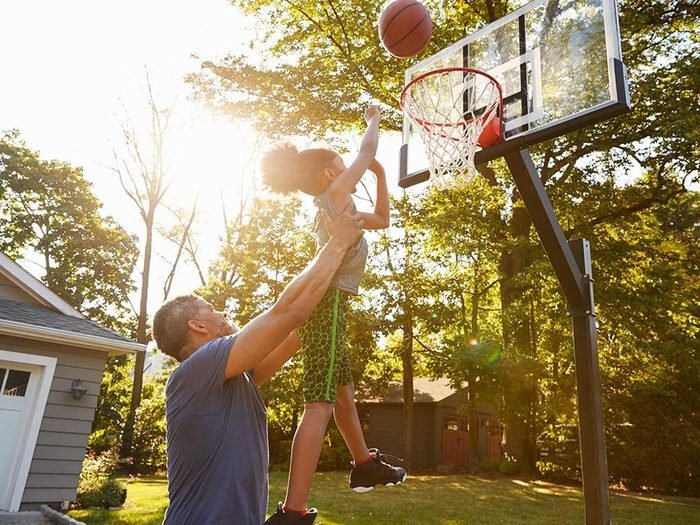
{"type": "Point", "coordinates": [73, 70]}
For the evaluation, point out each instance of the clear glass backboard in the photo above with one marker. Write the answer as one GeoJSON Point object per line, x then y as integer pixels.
{"type": "Point", "coordinates": [559, 65]}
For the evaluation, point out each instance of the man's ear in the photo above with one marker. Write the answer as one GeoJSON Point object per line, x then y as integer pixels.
{"type": "Point", "coordinates": [197, 326]}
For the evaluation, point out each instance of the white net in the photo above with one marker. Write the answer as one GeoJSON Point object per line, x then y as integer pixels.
{"type": "Point", "coordinates": [452, 109]}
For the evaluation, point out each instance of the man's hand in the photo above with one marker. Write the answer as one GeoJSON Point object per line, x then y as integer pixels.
{"type": "Point", "coordinates": [262, 335]}
{"type": "Point", "coordinates": [344, 229]}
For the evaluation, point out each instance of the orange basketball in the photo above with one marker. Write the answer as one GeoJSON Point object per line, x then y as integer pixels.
{"type": "Point", "coordinates": [405, 28]}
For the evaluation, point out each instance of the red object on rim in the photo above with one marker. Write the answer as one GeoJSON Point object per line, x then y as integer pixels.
{"type": "Point", "coordinates": [491, 134]}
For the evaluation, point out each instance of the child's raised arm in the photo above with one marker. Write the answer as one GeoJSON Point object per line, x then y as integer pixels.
{"type": "Point", "coordinates": [380, 218]}
{"type": "Point", "coordinates": [344, 184]}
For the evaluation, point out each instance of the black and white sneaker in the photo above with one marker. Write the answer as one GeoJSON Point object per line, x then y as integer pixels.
{"type": "Point", "coordinates": [280, 517]}
{"type": "Point", "coordinates": [380, 471]}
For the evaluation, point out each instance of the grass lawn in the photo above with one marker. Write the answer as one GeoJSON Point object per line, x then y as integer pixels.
{"type": "Point", "coordinates": [439, 500]}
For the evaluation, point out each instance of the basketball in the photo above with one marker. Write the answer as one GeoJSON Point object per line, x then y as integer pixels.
{"type": "Point", "coordinates": [405, 28]}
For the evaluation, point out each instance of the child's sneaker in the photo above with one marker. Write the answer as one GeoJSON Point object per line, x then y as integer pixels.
{"type": "Point", "coordinates": [364, 477]}
{"type": "Point", "coordinates": [280, 517]}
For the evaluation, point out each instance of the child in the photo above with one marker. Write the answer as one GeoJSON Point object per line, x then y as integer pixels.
{"type": "Point", "coordinates": [328, 387]}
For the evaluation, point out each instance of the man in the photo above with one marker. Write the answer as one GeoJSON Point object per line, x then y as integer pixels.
{"type": "Point", "coordinates": [216, 419]}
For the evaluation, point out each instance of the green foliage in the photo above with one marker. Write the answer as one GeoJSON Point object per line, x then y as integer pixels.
{"type": "Point", "coordinates": [488, 465]}
{"type": "Point", "coordinates": [49, 210]}
{"type": "Point", "coordinates": [559, 450]}
{"type": "Point", "coordinates": [508, 466]}
{"type": "Point", "coordinates": [263, 249]}
{"type": "Point", "coordinates": [334, 452]}
{"type": "Point", "coordinates": [330, 52]}
{"type": "Point", "coordinates": [97, 486]}
{"type": "Point", "coordinates": [112, 404]}
{"type": "Point", "coordinates": [284, 399]}
{"type": "Point", "coordinates": [149, 428]}
{"type": "Point", "coordinates": [463, 265]}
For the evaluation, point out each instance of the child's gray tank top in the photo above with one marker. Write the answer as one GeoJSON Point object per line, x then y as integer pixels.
{"type": "Point", "coordinates": [352, 268]}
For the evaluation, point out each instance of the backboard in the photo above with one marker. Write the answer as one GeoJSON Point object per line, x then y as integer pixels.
{"type": "Point", "coordinates": [558, 63]}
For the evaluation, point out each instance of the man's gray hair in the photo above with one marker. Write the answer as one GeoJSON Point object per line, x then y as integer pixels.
{"type": "Point", "coordinates": [170, 323]}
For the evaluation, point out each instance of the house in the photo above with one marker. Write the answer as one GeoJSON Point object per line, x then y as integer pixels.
{"type": "Point", "coordinates": [441, 425]}
{"type": "Point", "coordinates": [51, 364]}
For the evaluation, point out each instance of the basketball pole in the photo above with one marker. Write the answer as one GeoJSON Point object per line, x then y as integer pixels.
{"type": "Point", "coordinates": [571, 261]}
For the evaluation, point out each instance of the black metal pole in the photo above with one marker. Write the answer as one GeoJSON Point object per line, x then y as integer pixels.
{"type": "Point", "coordinates": [572, 265]}
{"type": "Point", "coordinates": [590, 412]}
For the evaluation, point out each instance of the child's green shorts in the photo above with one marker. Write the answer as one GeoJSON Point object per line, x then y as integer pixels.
{"type": "Point", "coordinates": [324, 359]}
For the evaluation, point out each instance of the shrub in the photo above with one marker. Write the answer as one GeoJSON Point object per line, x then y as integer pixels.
{"type": "Point", "coordinates": [102, 493]}
{"type": "Point", "coordinates": [148, 454]}
{"type": "Point", "coordinates": [558, 473]}
{"type": "Point", "coordinates": [97, 486]}
{"type": "Point", "coordinates": [489, 465]}
{"type": "Point", "coordinates": [334, 452]}
{"type": "Point", "coordinates": [559, 458]}
{"type": "Point", "coordinates": [508, 466]}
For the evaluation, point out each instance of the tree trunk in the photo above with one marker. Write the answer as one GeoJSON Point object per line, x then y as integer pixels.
{"type": "Point", "coordinates": [472, 395]}
{"type": "Point", "coordinates": [408, 406]}
{"type": "Point", "coordinates": [519, 391]}
{"type": "Point", "coordinates": [473, 423]}
{"type": "Point", "coordinates": [141, 337]}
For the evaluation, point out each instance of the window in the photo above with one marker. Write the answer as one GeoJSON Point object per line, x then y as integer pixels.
{"type": "Point", "coordinates": [363, 415]}
{"type": "Point", "coordinates": [451, 424]}
{"type": "Point", "coordinates": [456, 423]}
{"type": "Point", "coordinates": [14, 382]}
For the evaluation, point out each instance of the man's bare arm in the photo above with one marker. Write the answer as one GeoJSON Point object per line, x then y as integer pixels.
{"type": "Point", "coordinates": [268, 330]}
{"type": "Point", "coordinates": [275, 359]}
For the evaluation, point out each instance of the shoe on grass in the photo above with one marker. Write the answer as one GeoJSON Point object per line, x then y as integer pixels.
{"type": "Point", "coordinates": [280, 517]}
{"type": "Point", "coordinates": [380, 471]}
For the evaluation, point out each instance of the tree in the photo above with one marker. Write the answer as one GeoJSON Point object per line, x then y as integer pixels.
{"type": "Point", "coordinates": [461, 248]}
{"type": "Point", "coordinates": [263, 248]}
{"type": "Point", "coordinates": [322, 64]}
{"type": "Point", "coordinates": [327, 64]}
{"type": "Point", "coordinates": [51, 216]}
{"type": "Point", "coordinates": [396, 285]}
{"type": "Point", "coordinates": [143, 174]}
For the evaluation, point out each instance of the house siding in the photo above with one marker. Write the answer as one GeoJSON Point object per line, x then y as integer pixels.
{"type": "Point", "coordinates": [384, 420]}
{"type": "Point", "coordinates": [423, 436]}
{"type": "Point", "coordinates": [386, 427]}
{"type": "Point", "coordinates": [386, 431]}
{"type": "Point", "coordinates": [9, 290]}
{"type": "Point", "coordinates": [65, 426]}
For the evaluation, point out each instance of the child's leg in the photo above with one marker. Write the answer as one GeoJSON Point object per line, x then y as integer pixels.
{"type": "Point", "coordinates": [319, 342]}
{"type": "Point", "coordinates": [306, 449]}
{"type": "Point", "coordinates": [348, 422]}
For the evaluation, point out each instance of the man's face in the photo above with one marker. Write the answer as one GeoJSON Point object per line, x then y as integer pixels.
{"type": "Point", "coordinates": [216, 322]}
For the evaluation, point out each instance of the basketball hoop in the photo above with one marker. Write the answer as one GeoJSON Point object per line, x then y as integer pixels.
{"type": "Point", "coordinates": [455, 110]}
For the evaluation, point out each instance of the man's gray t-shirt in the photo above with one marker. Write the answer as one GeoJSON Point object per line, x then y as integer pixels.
{"type": "Point", "coordinates": [351, 270]}
{"type": "Point", "coordinates": [216, 442]}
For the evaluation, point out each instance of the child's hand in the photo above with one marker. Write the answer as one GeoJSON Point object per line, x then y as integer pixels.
{"type": "Point", "coordinates": [371, 113]}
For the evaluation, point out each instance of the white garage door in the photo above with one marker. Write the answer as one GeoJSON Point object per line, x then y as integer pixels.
{"type": "Point", "coordinates": [24, 386]}
{"type": "Point", "coordinates": [17, 384]}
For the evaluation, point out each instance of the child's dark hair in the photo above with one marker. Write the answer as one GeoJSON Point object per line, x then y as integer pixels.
{"type": "Point", "coordinates": [285, 169]}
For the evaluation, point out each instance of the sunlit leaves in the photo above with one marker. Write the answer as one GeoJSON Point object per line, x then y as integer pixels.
{"type": "Point", "coordinates": [49, 214]}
